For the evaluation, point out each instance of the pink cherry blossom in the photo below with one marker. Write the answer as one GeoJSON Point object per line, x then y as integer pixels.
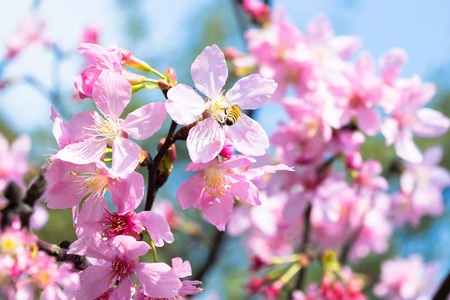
{"type": "Point", "coordinates": [206, 139]}
{"type": "Point", "coordinates": [181, 269]}
{"type": "Point", "coordinates": [95, 132]}
{"type": "Point", "coordinates": [356, 95]}
{"type": "Point", "coordinates": [71, 184]}
{"type": "Point", "coordinates": [421, 189]}
{"type": "Point", "coordinates": [130, 223]}
{"type": "Point", "coordinates": [407, 279]}
{"type": "Point", "coordinates": [219, 184]}
{"type": "Point", "coordinates": [119, 263]}
{"type": "Point", "coordinates": [14, 160]}
{"type": "Point", "coordinates": [410, 117]}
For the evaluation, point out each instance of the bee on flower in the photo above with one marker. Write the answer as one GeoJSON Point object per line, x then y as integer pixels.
{"type": "Point", "coordinates": [219, 113]}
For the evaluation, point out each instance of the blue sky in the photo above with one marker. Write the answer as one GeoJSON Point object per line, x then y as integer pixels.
{"type": "Point", "coordinates": [421, 27]}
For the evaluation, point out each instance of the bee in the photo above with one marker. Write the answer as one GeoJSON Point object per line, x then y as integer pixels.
{"type": "Point", "coordinates": [232, 114]}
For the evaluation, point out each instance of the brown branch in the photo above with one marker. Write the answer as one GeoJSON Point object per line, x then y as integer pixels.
{"type": "Point", "coordinates": [79, 262]}
{"type": "Point", "coordinates": [305, 240]}
{"type": "Point", "coordinates": [444, 289]}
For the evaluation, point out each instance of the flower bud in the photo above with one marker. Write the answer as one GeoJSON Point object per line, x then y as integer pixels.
{"type": "Point", "coordinates": [166, 165]}
{"type": "Point", "coordinates": [129, 60]}
{"type": "Point", "coordinates": [354, 160]}
{"type": "Point", "coordinates": [228, 149]}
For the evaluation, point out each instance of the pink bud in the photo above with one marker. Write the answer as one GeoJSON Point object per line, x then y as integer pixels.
{"type": "Point", "coordinates": [354, 160]}
{"type": "Point", "coordinates": [228, 149]}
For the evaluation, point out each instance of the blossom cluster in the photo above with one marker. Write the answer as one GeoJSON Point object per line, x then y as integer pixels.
{"type": "Point", "coordinates": [336, 99]}
{"type": "Point", "coordinates": [318, 197]}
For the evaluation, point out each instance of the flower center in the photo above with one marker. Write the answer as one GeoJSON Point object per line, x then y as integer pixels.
{"type": "Point", "coordinates": [118, 224]}
{"type": "Point", "coordinates": [106, 127]}
{"type": "Point", "coordinates": [217, 107]}
{"type": "Point", "coordinates": [215, 182]}
{"type": "Point", "coordinates": [119, 270]}
{"type": "Point", "coordinates": [92, 185]}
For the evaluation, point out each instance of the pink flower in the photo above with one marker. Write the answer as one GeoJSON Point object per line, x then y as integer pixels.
{"type": "Point", "coordinates": [407, 279]}
{"type": "Point", "coordinates": [70, 184]}
{"type": "Point", "coordinates": [355, 96]}
{"type": "Point", "coordinates": [409, 116]}
{"type": "Point", "coordinates": [130, 223]}
{"type": "Point", "coordinates": [28, 32]}
{"type": "Point", "coordinates": [181, 269]}
{"type": "Point", "coordinates": [219, 184]}
{"type": "Point", "coordinates": [14, 160]}
{"type": "Point", "coordinates": [94, 132]}
{"type": "Point", "coordinates": [303, 141]}
{"type": "Point", "coordinates": [119, 264]}
{"type": "Point", "coordinates": [206, 139]}
{"type": "Point", "coordinates": [421, 189]}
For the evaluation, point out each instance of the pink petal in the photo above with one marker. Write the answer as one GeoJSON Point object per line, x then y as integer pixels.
{"type": "Point", "coordinates": [184, 105]}
{"type": "Point", "coordinates": [205, 140]}
{"type": "Point", "coordinates": [246, 191]}
{"type": "Point", "coordinates": [237, 161]}
{"type": "Point", "coordinates": [190, 191]}
{"type": "Point", "coordinates": [201, 166]}
{"type": "Point", "coordinates": [78, 126]}
{"type": "Point", "coordinates": [156, 225]}
{"type": "Point", "coordinates": [391, 63]}
{"type": "Point", "coordinates": [111, 93]}
{"type": "Point", "coordinates": [248, 136]}
{"type": "Point", "coordinates": [406, 149]}
{"type": "Point", "coordinates": [368, 120]}
{"type": "Point", "coordinates": [85, 81]}
{"type": "Point", "coordinates": [182, 269]}
{"type": "Point", "coordinates": [64, 194]}
{"type": "Point", "coordinates": [126, 156]}
{"type": "Point", "coordinates": [145, 121]}
{"type": "Point", "coordinates": [102, 58]}
{"type": "Point", "coordinates": [433, 156]}
{"type": "Point", "coordinates": [94, 281]}
{"type": "Point", "coordinates": [129, 247]}
{"type": "Point", "coordinates": [158, 280]}
{"type": "Point", "coordinates": [218, 210]}
{"type": "Point", "coordinates": [390, 129]}
{"type": "Point", "coordinates": [89, 217]}
{"type": "Point", "coordinates": [209, 71]}
{"type": "Point", "coordinates": [251, 92]}
{"type": "Point", "coordinates": [430, 123]}
{"type": "Point", "coordinates": [83, 152]}
{"type": "Point", "coordinates": [126, 194]}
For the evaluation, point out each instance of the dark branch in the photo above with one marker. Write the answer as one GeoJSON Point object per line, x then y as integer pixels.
{"type": "Point", "coordinates": [212, 257]}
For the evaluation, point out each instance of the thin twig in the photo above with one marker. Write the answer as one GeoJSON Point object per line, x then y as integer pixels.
{"type": "Point", "coordinates": [153, 166]}
{"type": "Point", "coordinates": [305, 240]}
{"type": "Point", "coordinates": [212, 257]}
{"type": "Point", "coordinates": [79, 262]}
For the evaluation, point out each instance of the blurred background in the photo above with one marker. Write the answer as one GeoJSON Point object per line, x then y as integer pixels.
{"type": "Point", "coordinates": [172, 34]}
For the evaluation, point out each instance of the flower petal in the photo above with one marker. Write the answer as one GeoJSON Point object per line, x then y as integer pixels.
{"type": "Point", "coordinates": [190, 191]}
{"type": "Point", "coordinates": [406, 149]}
{"type": "Point", "coordinates": [111, 93]}
{"type": "Point", "coordinates": [184, 105]}
{"type": "Point", "coordinates": [248, 136]}
{"type": "Point", "coordinates": [218, 209]}
{"type": "Point", "coordinates": [157, 226]}
{"type": "Point", "coordinates": [368, 120]}
{"type": "Point", "coordinates": [205, 140]}
{"type": "Point", "coordinates": [145, 121]}
{"type": "Point", "coordinates": [83, 152]}
{"type": "Point", "coordinates": [430, 123]}
{"type": "Point", "coordinates": [94, 281]}
{"type": "Point", "coordinates": [209, 71]}
{"type": "Point", "coordinates": [246, 191]}
{"type": "Point", "coordinates": [158, 280]}
{"type": "Point", "coordinates": [251, 92]}
{"type": "Point", "coordinates": [126, 156]}
{"type": "Point", "coordinates": [127, 194]}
